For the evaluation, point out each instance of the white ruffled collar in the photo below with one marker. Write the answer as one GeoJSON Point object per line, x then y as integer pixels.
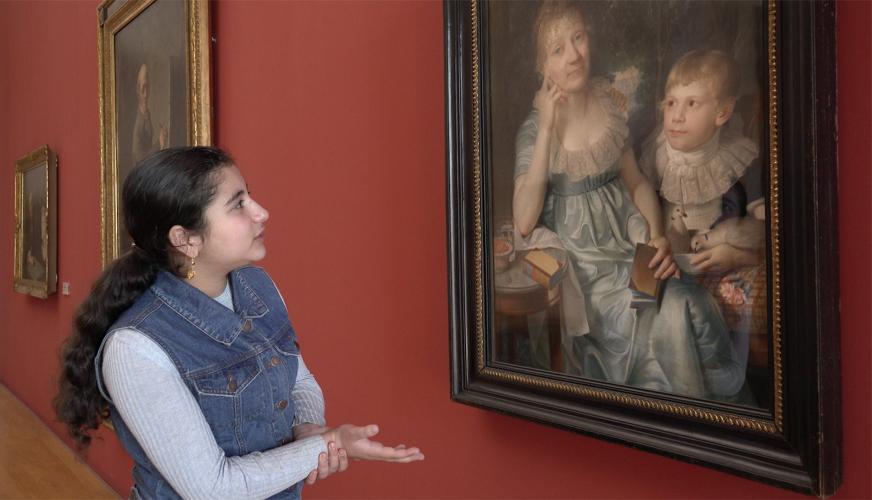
{"type": "Point", "coordinates": [701, 175]}
{"type": "Point", "coordinates": [602, 153]}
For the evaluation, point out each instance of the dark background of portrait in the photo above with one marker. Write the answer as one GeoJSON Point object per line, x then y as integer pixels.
{"type": "Point", "coordinates": [35, 185]}
{"type": "Point", "coordinates": [336, 112]}
{"type": "Point", "coordinates": [157, 38]}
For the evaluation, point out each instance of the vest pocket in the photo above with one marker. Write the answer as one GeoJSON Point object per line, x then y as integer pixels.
{"type": "Point", "coordinates": [228, 381]}
{"type": "Point", "coordinates": [229, 397]}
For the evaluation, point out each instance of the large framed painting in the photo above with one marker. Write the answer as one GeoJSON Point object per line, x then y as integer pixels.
{"type": "Point", "coordinates": [642, 226]}
{"type": "Point", "coordinates": [154, 92]}
{"type": "Point", "coordinates": [35, 254]}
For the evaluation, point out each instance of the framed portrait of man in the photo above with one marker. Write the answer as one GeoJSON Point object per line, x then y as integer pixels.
{"type": "Point", "coordinates": [35, 254]}
{"type": "Point", "coordinates": [629, 186]}
{"type": "Point", "coordinates": [154, 93]}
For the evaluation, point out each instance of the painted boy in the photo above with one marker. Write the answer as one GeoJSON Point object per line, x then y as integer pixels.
{"type": "Point", "coordinates": [708, 176]}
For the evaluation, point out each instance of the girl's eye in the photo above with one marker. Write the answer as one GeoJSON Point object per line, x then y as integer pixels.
{"type": "Point", "coordinates": [242, 200]}
{"type": "Point", "coordinates": [692, 103]}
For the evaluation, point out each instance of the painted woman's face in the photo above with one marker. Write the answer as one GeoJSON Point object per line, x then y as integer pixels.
{"type": "Point", "coordinates": [235, 226]}
{"type": "Point", "coordinates": [142, 87]}
{"type": "Point", "coordinates": [567, 53]}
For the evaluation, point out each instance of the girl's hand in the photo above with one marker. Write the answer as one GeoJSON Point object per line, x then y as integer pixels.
{"type": "Point", "coordinates": [547, 98]}
{"type": "Point", "coordinates": [335, 460]}
{"type": "Point", "coordinates": [357, 443]}
{"type": "Point", "coordinates": [666, 267]}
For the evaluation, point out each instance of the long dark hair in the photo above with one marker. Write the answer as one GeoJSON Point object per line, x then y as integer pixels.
{"type": "Point", "coordinates": [171, 187]}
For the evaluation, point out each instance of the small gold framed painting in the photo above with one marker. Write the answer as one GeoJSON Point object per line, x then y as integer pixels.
{"type": "Point", "coordinates": [35, 254]}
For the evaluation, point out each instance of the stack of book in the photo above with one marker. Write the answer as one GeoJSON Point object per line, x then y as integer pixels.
{"type": "Point", "coordinates": [543, 268]}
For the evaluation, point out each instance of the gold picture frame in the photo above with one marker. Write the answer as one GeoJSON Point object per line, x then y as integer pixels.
{"type": "Point", "coordinates": [154, 90]}
{"type": "Point", "coordinates": [35, 255]}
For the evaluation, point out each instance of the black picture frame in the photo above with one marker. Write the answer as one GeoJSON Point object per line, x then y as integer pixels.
{"type": "Point", "coordinates": [795, 442]}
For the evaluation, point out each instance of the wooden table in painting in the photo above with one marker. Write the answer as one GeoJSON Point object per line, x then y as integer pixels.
{"type": "Point", "coordinates": [518, 296]}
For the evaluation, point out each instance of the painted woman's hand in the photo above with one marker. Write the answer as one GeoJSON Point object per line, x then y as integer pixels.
{"type": "Point", "coordinates": [662, 260]}
{"type": "Point", "coordinates": [357, 443]}
{"type": "Point", "coordinates": [547, 98]}
{"type": "Point", "coordinates": [163, 138]}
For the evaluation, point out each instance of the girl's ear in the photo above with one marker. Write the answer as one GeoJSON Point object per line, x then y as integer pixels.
{"type": "Point", "coordinates": [725, 111]}
{"type": "Point", "coordinates": [184, 242]}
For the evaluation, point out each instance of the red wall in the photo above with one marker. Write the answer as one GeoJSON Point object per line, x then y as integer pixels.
{"type": "Point", "coordinates": [334, 112]}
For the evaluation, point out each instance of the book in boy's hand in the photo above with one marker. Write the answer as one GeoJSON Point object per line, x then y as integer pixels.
{"type": "Point", "coordinates": [646, 288]}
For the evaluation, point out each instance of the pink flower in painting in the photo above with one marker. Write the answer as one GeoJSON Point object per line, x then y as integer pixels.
{"type": "Point", "coordinates": [732, 294]}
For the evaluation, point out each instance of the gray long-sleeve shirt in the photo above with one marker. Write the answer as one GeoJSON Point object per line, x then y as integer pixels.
{"type": "Point", "coordinates": [151, 397]}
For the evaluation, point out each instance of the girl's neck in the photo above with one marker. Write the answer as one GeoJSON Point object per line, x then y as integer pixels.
{"type": "Point", "coordinates": [210, 283]}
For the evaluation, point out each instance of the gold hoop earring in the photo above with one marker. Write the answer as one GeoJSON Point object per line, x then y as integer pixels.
{"type": "Point", "coordinates": [191, 272]}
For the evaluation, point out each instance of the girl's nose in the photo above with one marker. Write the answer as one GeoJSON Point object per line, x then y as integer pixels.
{"type": "Point", "coordinates": [260, 214]}
{"type": "Point", "coordinates": [678, 114]}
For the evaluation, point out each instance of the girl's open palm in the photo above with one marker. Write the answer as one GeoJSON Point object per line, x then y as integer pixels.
{"type": "Point", "coordinates": [357, 443]}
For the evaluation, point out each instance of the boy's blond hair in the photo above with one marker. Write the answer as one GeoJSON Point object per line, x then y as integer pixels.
{"type": "Point", "coordinates": [714, 67]}
{"type": "Point", "coordinates": [550, 11]}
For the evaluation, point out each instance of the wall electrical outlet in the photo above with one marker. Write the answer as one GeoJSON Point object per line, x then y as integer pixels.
{"type": "Point", "coordinates": [65, 288]}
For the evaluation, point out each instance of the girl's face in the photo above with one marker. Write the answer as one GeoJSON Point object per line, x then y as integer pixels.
{"type": "Point", "coordinates": [692, 115]}
{"type": "Point", "coordinates": [234, 226]}
{"type": "Point", "coordinates": [567, 53]}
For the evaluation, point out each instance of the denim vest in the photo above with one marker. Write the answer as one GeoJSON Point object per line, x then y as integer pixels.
{"type": "Point", "coordinates": [240, 365]}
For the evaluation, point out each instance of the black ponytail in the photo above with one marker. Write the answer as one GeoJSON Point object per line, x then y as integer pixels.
{"type": "Point", "coordinates": [79, 403]}
{"type": "Point", "coordinates": [171, 187]}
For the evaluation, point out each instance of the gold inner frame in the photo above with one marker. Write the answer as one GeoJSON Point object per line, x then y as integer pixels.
{"type": "Point", "coordinates": [112, 18]}
{"type": "Point", "coordinates": [683, 410]}
{"type": "Point", "coordinates": [42, 156]}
